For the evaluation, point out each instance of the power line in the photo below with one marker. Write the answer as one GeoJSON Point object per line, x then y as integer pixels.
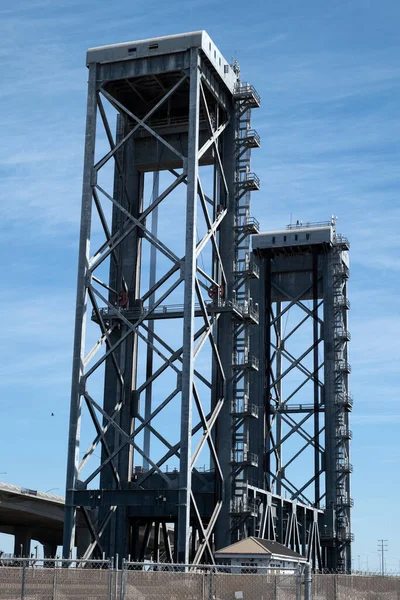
{"type": "Point", "coordinates": [382, 548]}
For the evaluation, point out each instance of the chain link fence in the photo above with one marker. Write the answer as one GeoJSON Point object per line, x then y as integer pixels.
{"type": "Point", "coordinates": [355, 587]}
{"type": "Point", "coordinates": [154, 581]}
{"type": "Point", "coordinates": [34, 579]}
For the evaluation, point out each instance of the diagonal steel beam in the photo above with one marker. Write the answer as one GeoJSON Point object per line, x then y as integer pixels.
{"type": "Point", "coordinates": [140, 122]}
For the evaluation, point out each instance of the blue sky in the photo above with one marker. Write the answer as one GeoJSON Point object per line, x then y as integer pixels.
{"type": "Point", "coordinates": [328, 74]}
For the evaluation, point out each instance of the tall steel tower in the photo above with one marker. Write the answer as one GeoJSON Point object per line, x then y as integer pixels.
{"type": "Point", "coordinates": [305, 392]}
{"type": "Point", "coordinates": [210, 396]}
{"type": "Point", "coordinates": [159, 421]}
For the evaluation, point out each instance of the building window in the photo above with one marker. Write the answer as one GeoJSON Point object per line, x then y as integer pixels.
{"type": "Point", "coordinates": [273, 239]}
{"type": "Point", "coordinates": [249, 567]}
{"type": "Point", "coordinates": [284, 238]}
{"type": "Point", "coordinates": [296, 237]}
{"type": "Point", "coordinates": [307, 236]}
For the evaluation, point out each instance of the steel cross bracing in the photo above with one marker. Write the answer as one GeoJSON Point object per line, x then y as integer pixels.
{"type": "Point", "coordinates": [124, 504]}
{"type": "Point", "coordinates": [307, 393]}
{"type": "Point", "coordinates": [282, 407]}
{"type": "Point", "coordinates": [242, 508]}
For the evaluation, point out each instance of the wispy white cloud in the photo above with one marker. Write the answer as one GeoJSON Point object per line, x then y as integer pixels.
{"type": "Point", "coordinates": [374, 419]}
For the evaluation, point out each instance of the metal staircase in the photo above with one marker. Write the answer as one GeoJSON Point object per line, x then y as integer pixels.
{"type": "Point", "coordinates": [245, 98]}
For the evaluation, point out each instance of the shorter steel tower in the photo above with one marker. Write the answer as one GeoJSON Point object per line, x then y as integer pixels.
{"type": "Point", "coordinates": [305, 390]}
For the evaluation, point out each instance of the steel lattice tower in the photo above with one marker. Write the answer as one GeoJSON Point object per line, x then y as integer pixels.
{"type": "Point", "coordinates": [180, 114]}
{"type": "Point", "coordinates": [182, 427]}
{"type": "Point", "coordinates": [305, 393]}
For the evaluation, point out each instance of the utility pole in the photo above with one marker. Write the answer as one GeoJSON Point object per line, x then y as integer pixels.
{"type": "Point", "coordinates": [382, 548]}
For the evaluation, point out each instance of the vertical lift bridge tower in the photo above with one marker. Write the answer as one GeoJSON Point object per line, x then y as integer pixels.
{"type": "Point", "coordinates": [172, 367]}
{"type": "Point", "coordinates": [163, 312]}
{"type": "Point", "coordinates": [302, 342]}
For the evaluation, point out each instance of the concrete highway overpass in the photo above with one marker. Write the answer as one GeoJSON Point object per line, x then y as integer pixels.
{"type": "Point", "coordinates": [31, 515]}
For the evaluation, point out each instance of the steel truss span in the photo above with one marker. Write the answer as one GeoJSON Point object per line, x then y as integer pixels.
{"type": "Point", "coordinates": [303, 353]}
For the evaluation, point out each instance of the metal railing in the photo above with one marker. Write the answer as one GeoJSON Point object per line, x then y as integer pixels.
{"type": "Point", "coordinates": [343, 366]}
{"type": "Point", "coordinates": [247, 266]}
{"type": "Point", "coordinates": [301, 225]}
{"type": "Point", "coordinates": [345, 501]}
{"type": "Point", "coordinates": [344, 467]}
{"type": "Point", "coordinates": [344, 432]}
{"type": "Point", "coordinates": [251, 179]}
{"type": "Point", "coordinates": [245, 90]}
{"type": "Point", "coordinates": [344, 399]}
{"type": "Point", "coordinates": [341, 240]}
{"type": "Point", "coordinates": [244, 505]}
{"type": "Point", "coordinates": [243, 457]}
{"type": "Point", "coordinates": [240, 361]}
{"type": "Point", "coordinates": [342, 334]}
{"type": "Point", "coordinates": [342, 302]}
{"type": "Point", "coordinates": [244, 407]}
{"type": "Point", "coordinates": [243, 308]}
{"type": "Point", "coordinates": [345, 536]}
{"type": "Point", "coordinates": [244, 221]}
{"type": "Point", "coordinates": [251, 137]}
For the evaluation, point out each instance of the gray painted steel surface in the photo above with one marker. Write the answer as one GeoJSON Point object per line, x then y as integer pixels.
{"type": "Point", "coordinates": [183, 121]}
{"type": "Point", "coordinates": [305, 360]}
{"type": "Point", "coordinates": [181, 108]}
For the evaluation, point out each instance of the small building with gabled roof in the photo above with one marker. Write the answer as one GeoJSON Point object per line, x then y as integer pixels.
{"type": "Point", "coordinates": [247, 555]}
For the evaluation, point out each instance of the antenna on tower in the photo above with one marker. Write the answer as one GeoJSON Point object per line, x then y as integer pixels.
{"type": "Point", "coordinates": [235, 66]}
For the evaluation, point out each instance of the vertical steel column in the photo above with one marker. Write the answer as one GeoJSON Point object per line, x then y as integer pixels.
{"type": "Point", "coordinates": [278, 393]}
{"type": "Point", "coordinates": [80, 316]}
{"type": "Point", "coordinates": [185, 471]}
{"type": "Point", "coordinates": [315, 378]}
{"type": "Point", "coordinates": [152, 281]}
{"type": "Point", "coordinates": [267, 386]}
{"type": "Point", "coordinates": [225, 342]}
{"type": "Point", "coordinates": [124, 277]}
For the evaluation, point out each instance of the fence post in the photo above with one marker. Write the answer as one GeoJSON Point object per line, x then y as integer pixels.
{"type": "Point", "coordinates": [110, 579]}
{"type": "Point", "coordinates": [276, 586]}
{"type": "Point", "coordinates": [307, 582]}
{"type": "Point", "coordinates": [210, 594]}
{"type": "Point", "coordinates": [123, 579]}
{"type": "Point", "coordinates": [23, 580]}
{"type": "Point", "coordinates": [299, 579]}
{"type": "Point", "coordinates": [335, 587]}
{"type": "Point", "coordinates": [116, 563]}
{"type": "Point", "coordinates": [55, 582]}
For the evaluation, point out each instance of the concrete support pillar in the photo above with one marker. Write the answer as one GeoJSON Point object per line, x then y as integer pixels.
{"type": "Point", "coordinates": [49, 549]}
{"type": "Point", "coordinates": [22, 541]}
{"type": "Point", "coordinates": [83, 540]}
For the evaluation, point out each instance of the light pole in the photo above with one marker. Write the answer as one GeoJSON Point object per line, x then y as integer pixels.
{"type": "Point", "coordinates": [382, 548]}
{"type": "Point", "coordinates": [366, 561]}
